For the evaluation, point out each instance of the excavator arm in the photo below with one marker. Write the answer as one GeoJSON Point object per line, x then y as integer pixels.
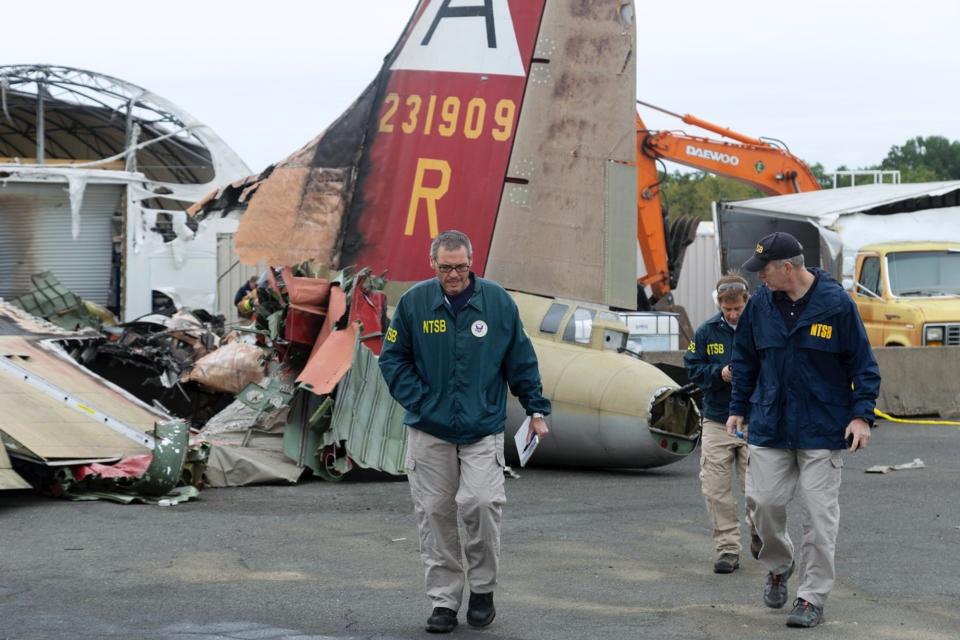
{"type": "Point", "coordinates": [771, 169]}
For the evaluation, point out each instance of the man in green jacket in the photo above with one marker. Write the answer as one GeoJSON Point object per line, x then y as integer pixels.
{"type": "Point", "coordinates": [454, 345]}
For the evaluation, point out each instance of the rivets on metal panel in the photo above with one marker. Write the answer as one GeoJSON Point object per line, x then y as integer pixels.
{"type": "Point", "coordinates": [546, 47]}
{"type": "Point", "coordinates": [519, 195]}
{"type": "Point", "coordinates": [522, 168]}
{"type": "Point", "coordinates": [540, 74]}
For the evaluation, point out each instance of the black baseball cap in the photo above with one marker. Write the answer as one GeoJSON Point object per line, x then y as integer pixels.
{"type": "Point", "coordinates": [776, 246]}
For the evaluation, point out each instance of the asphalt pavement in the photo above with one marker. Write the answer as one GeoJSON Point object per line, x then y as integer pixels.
{"type": "Point", "coordinates": [586, 554]}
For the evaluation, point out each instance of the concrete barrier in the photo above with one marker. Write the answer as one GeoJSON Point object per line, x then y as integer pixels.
{"type": "Point", "coordinates": [919, 381]}
{"type": "Point", "coordinates": [916, 381]}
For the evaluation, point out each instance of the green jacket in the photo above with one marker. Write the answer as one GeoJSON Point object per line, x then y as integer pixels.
{"type": "Point", "coordinates": [450, 372]}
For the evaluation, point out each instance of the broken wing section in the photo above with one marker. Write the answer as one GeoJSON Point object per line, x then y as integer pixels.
{"type": "Point", "coordinates": [47, 427]}
{"type": "Point", "coordinates": [567, 217]}
{"type": "Point", "coordinates": [9, 479]}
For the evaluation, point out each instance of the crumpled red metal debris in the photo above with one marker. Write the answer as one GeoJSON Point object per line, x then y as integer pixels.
{"type": "Point", "coordinates": [367, 308]}
{"type": "Point", "coordinates": [131, 467]}
{"type": "Point", "coordinates": [330, 362]}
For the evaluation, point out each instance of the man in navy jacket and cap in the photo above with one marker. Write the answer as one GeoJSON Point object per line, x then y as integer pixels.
{"type": "Point", "coordinates": [804, 372]}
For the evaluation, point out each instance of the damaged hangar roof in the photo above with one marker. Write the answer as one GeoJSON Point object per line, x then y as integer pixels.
{"type": "Point", "coordinates": [96, 173]}
{"type": "Point", "coordinates": [92, 120]}
{"type": "Point", "coordinates": [828, 204]}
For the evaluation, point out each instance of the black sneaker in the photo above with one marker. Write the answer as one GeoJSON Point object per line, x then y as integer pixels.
{"type": "Point", "coordinates": [804, 614]}
{"type": "Point", "coordinates": [481, 611]}
{"type": "Point", "coordinates": [726, 563]}
{"type": "Point", "coordinates": [775, 589]}
{"type": "Point", "coordinates": [442, 620]}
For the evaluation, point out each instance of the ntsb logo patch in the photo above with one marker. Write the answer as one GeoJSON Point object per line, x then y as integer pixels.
{"type": "Point", "coordinates": [824, 331]}
{"type": "Point", "coordinates": [479, 328]}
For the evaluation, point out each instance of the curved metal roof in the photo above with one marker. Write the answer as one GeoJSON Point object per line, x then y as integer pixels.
{"type": "Point", "coordinates": [828, 204]}
{"type": "Point", "coordinates": [91, 119]}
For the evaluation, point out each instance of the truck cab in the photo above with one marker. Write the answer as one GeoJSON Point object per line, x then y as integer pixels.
{"type": "Point", "coordinates": [908, 293]}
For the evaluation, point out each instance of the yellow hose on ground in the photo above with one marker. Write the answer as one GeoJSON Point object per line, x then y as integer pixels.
{"type": "Point", "coordinates": [881, 414]}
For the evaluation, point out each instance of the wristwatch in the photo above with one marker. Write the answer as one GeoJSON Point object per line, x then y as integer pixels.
{"type": "Point", "coordinates": [536, 414]}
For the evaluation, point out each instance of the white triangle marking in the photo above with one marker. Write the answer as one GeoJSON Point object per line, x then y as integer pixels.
{"type": "Point", "coordinates": [460, 43]}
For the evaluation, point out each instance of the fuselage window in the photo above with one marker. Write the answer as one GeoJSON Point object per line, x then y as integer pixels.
{"type": "Point", "coordinates": [580, 326]}
{"type": "Point", "coordinates": [551, 321]}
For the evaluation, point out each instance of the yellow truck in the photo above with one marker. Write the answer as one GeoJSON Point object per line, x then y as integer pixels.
{"type": "Point", "coordinates": [908, 293]}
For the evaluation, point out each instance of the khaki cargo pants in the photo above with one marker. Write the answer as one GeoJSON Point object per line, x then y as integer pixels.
{"type": "Point", "coordinates": [453, 487]}
{"type": "Point", "coordinates": [720, 454]}
{"type": "Point", "coordinates": [774, 477]}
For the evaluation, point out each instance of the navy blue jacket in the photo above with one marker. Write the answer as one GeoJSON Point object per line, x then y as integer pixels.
{"type": "Point", "coordinates": [706, 356]}
{"type": "Point", "coordinates": [803, 387]}
{"type": "Point", "coordinates": [451, 371]}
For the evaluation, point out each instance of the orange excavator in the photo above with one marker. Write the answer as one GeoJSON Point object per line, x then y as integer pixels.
{"type": "Point", "coordinates": [769, 167]}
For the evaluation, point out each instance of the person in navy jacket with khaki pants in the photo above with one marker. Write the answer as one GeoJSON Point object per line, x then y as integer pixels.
{"type": "Point", "coordinates": [803, 367]}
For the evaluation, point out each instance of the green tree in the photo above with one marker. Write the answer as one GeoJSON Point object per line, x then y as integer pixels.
{"type": "Point", "coordinates": [691, 194]}
{"type": "Point", "coordinates": [925, 159]}
{"type": "Point", "coordinates": [818, 171]}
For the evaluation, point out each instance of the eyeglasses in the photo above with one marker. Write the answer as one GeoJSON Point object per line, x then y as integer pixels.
{"type": "Point", "coordinates": [727, 286]}
{"type": "Point", "coordinates": [459, 268]}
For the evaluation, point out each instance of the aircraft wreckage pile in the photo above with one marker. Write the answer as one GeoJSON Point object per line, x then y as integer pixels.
{"type": "Point", "coordinates": [155, 409]}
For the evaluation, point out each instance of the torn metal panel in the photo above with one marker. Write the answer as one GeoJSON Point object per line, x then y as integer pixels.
{"type": "Point", "coordinates": [307, 307]}
{"type": "Point", "coordinates": [55, 415]}
{"type": "Point", "coordinates": [174, 496]}
{"type": "Point", "coordinates": [131, 467]}
{"type": "Point", "coordinates": [363, 427]}
{"type": "Point", "coordinates": [303, 204]}
{"type": "Point", "coordinates": [367, 419]}
{"type": "Point", "coordinates": [51, 429]}
{"type": "Point", "coordinates": [236, 461]}
{"type": "Point", "coordinates": [169, 456]}
{"type": "Point", "coordinates": [265, 398]}
{"type": "Point", "coordinates": [328, 364]}
{"type": "Point", "coordinates": [236, 416]}
{"type": "Point", "coordinates": [336, 307]}
{"type": "Point", "coordinates": [68, 426]}
{"type": "Point", "coordinates": [304, 436]}
{"type": "Point", "coordinates": [246, 440]}
{"type": "Point", "coordinates": [52, 301]}
{"type": "Point", "coordinates": [153, 474]}
{"type": "Point", "coordinates": [9, 479]}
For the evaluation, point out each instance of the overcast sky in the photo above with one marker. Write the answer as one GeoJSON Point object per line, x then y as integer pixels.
{"type": "Point", "coordinates": [838, 81]}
